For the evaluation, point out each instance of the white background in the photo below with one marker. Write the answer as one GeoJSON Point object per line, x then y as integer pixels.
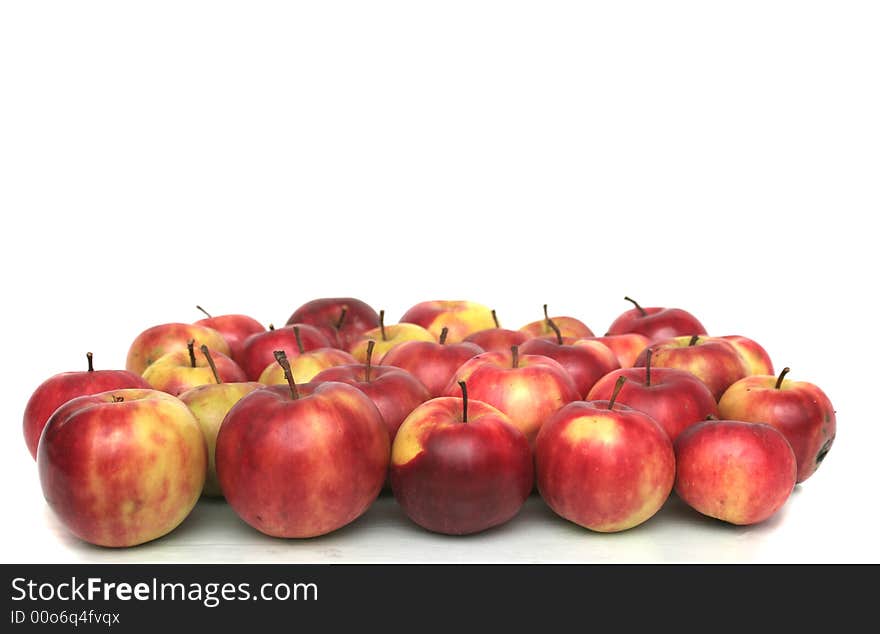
{"type": "Point", "coordinates": [721, 157]}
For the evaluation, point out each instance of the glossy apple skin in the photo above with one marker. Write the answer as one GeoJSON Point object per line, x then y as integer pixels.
{"type": "Point", "coordinates": [153, 342]}
{"type": "Point", "coordinates": [798, 409]}
{"type": "Point", "coordinates": [460, 478]}
{"type": "Point", "coordinates": [657, 324]}
{"type": "Point", "coordinates": [756, 358]}
{"type": "Point", "coordinates": [173, 372]}
{"type": "Point", "coordinates": [306, 366]}
{"type": "Point", "coordinates": [302, 467]}
{"type": "Point", "coordinates": [395, 335]}
{"type": "Point", "coordinates": [712, 360]}
{"type": "Point", "coordinates": [625, 347]}
{"type": "Point", "coordinates": [585, 361]}
{"type": "Point", "coordinates": [568, 326]}
{"type": "Point", "coordinates": [122, 473]}
{"type": "Point", "coordinates": [60, 388]}
{"type": "Point", "coordinates": [527, 394]}
{"type": "Point", "coordinates": [324, 314]}
{"type": "Point", "coordinates": [432, 363]}
{"type": "Point", "coordinates": [462, 318]}
{"type": "Point", "coordinates": [210, 404]}
{"type": "Point", "coordinates": [494, 339]}
{"type": "Point", "coordinates": [676, 399]}
{"type": "Point", "coordinates": [394, 391]}
{"type": "Point", "coordinates": [258, 350]}
{"type": "Point", "coordinates": [741, 473]}
{"type": "Point", "coordinates": [234, 329]}
{"type": "Point", "coordinates": [606, 470]}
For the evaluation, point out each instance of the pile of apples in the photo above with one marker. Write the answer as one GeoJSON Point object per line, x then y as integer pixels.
{"type": "Point", "coordinates": [301, 427]}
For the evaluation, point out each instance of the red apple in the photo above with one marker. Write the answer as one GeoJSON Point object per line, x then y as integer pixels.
{"type": "Point", "coordinates": [528, 388]}
{"type": "Point", "coordinates": [604, 466]}
{"type": "Point", "coordinates": [295, 465]}
{"type": "Point", "coordinates": [756, 358]}
{"type": "Point", "coordinates": [656, 323]}
{"type": "Point", "coordinates": [306, 365]}
{"type": "Point", "coordinates": [340, 319]}
{"type": "Point", "coordinates": [800, 410]}
{"type": "Point", "coordinates": [234, 329]}
{"type": "Point", "coordinates": [123, 467]}
{"type": "Point", "coordinates": [674, 398]}
{"type": "Point", "coordinates": [568, 326]}
{"type": "Point", "coordinates": [158, 340]}
{"type": "Point", "coordinates": [430, 362]}
{"type": "Point", "coordinates": [712, 360]}
{"type": "Point", "coordinates": [258, 350]}
{"type": "Point", "coordinates": [625, 347]}
{"type": "Point", "coordinates": [387, 337]}
{"type": "Point", "coordinates": [395, 392]}
{"type": "Point", "coordinates": [737, 472]}
{"type": "Point", "coordinates": [57, 390]}
{"type": "Point", "coordinates": [585, 361]}
{"type": "Point", "coordinates": [460, 467]}
{"type": "Point", "coordinates": [462, 318]}
{"type": "Point", "coordinates": [181, 370]}
{"type": "Point", "coordinates": [497, 338]}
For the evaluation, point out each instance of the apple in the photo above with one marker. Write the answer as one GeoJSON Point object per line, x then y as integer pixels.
{"type": "Point", "coordinates": [756, 358]}
{"type": "Point", "coordinates": [800, 410]}
{"type": "Point", "coordinates": [306, 365]}
{"type": "Point", "coordinates": [341, 319]}
{"type": "Point", "coordinates": [568, 326]}
{"type": "Point", "coordinates": [676, 399]}
{"type": "Point", "coordinates": [234, 329]}
{"type": "Point", "coordinates": [741, 473]}
{"type": "Point", "coordinates": [209, 404]}
{"type": "Point", "coordinates": [258, 350]}
{"type": "Point", "coordinates": [462, 318]}
{"type": "Point", "coordinates": [603, 465]}
{"type": "Point", "coordinates": [712, 360]}
{"type": "Point", "coordinates": [158, 340]}
{"type": "Point", "coordinates": [178, 371]}
{"type": "Point", "coordinates": [528, 388]}
{"type": "Point", "coordinates": [497, 338]}
{"type": "Point", "coordinates": [460, 467]}
{"type": "Point", "coordinates": [302, 465]}
{"type": "Point", "coordinates": [656, 323]}
{"type": "Point", "coordinates": [394, 391]}
{"type": "Point", "coordinates": [123, 467]}
{"type": "Point", "coordinates": [626, 347]}
{"type": "Point", "coordinates": [431, 362]}
{"type": "Point", "coordinates": [585, 361]}
{"type": "Point", "coordinates": [387, 337]}
{"type": "Point", "coordinates": [60, 388]}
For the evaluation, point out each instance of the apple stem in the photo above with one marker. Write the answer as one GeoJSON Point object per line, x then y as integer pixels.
{"type": "Point", "coordinates": [636, 304]}
{"type": "Point", "coordinates": [781, 377]}
{"type": "Point", "coordinates": [190, 345]}
{"type": "Point", "coordinates": [648, 354]}
{"type": "Point", "coordinates": [443, 334]}
{"type": "Point", "coordinates": [211, 363]}
{"type": "Point", "coordinates": [463, 387]}
{"type": "Point", "coordinates": [299, 343]}
{"type": "Point", "coordinates": [369, 364]}
{"type": "Point", "coordinates": [711, 417]}
{"type": "Point", "coordinates": [555, 329]}
{"type": "Point", "coordinates": [514, 351]}
{"type": "Point", "coordinates": [118, 399]}
{"type": "Point", "coordinates": [207, 314]}
{"type": "Point", "coordinates": [617, 387]}
{"type": "Point", "coordinates": [693, 340]}
{"type": "Point", "coordinates": [89, 359]}
{"type": "Point", "coordinates": [382, 325]}
{"type": "Point", "coordinates": [495, 319]}
{"type": "Point", "coordinates": [271, 326]}
{"type": "Point", "coordinates": [341, 319]}
{"type": "Point", "coordinates": [281, 358]}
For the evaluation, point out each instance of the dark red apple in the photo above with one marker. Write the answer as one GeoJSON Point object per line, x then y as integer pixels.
{"type": "Point", "coordinates": [656, 323]}
{"type": "Point", "coordinates": [234, 329]}
{"type": "Point", "coordinates": [258, 350]}
{"type": "Point", "coordinates": [341, 319]}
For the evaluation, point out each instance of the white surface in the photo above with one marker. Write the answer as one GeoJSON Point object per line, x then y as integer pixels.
{"type": "Point", "coordinates": [251, 157]}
